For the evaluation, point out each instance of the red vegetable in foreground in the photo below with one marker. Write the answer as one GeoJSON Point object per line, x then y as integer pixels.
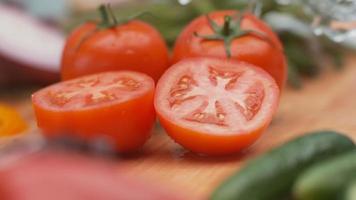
{"type": "Point", "coordinates": [239, 36]}
{"type": "Point", "coordinates": [214, 106]}
{"type": "Point", "coordinates": [58, 176]}
{"type": "Point", "coordinates": [116, 106]}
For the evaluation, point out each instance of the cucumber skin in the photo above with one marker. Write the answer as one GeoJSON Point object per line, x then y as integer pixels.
{"type": "Point", "coordinates": [350, 193]}
{"type": "Point", "coordinates": [272, 175]}
{"type": "Point", "coordinates": [326, 180]}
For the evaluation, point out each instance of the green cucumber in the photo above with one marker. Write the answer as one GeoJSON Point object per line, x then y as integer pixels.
{"type": "Point", "coordinates": [350, 193]}
{"type": "Point", "coordinates": [271, 176]}
{"type": "Point", "coordinates": [326, 180]}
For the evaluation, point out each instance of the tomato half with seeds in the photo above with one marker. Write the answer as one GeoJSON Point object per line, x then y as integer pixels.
{"type": "Point", "coordinates": [214, 106]}
{"type": "Point", "coordinates": [115, 106]}
{"type": "Point", "coordinates": [238, 36]}
{"type": "Point", "coordinates": [111, 45]}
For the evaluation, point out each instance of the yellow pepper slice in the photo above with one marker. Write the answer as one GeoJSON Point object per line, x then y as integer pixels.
{"type": "Point", "coordinates": [11, 122]}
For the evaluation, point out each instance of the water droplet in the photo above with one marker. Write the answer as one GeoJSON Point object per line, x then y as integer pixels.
{"type": "Point", "coordinates": [184, 2]}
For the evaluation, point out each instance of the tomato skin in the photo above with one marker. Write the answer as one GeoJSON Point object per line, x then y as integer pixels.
{"type": "Point", "coordinates": [212, 143]}
{"type": "Point", "coordinates": [135, 46]}
{"type": "Point", "coordinates": [247, 48]}
{"type": "Point", "coordinates": [127, 124]}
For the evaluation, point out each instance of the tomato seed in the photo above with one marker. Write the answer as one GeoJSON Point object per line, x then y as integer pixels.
{"type": "Point", "coordinates": [227, 74]}
{"type": "Point", "coordinates": [184, 80]}
{"type": "Point", "coordinates": [199, 115]}
{"type": "Point", "coordinates": [221, 116]}
{"type": "Point", "coordinates": [183, 86]}
{"type": "Point", "coordinates": [177, 94]}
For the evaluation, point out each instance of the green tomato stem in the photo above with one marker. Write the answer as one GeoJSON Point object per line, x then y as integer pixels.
{"type": "Point", "coordinates": [227, 26]}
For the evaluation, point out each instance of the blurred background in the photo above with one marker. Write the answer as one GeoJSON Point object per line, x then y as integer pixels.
{"type": "Point", "coordinates": [32, 32]}
{"type": "Point", "coordinates": [318, 37]}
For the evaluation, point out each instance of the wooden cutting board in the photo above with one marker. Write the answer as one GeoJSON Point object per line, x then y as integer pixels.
{"type": "Point", "coordinates": [328, 102]}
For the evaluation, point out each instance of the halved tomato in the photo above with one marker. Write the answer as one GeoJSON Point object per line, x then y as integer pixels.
{"type": "Point", "coordinates": [117, 106]}
{"type": "Point", "coordinates": [214, 106]}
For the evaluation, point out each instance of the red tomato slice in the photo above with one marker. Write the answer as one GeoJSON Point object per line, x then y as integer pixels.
{"type": "Point", "coordinates": [214, 106]}
{"type": "Point", "coordinates": [115, 105]}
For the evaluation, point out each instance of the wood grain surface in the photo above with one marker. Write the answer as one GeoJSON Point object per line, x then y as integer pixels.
{"type": "Point", "coordinates": [328, 102]}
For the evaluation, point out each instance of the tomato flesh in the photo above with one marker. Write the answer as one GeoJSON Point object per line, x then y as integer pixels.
{"type": "Point", "coordinates": [114, 105]}
{"type": "Point", "coordinates": [214, 106]}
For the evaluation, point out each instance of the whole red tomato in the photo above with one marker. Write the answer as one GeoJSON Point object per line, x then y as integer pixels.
{"type": "Point", "coordinates": [111, 45]}
{"type": "Point", "coordinates": [230, 34]}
